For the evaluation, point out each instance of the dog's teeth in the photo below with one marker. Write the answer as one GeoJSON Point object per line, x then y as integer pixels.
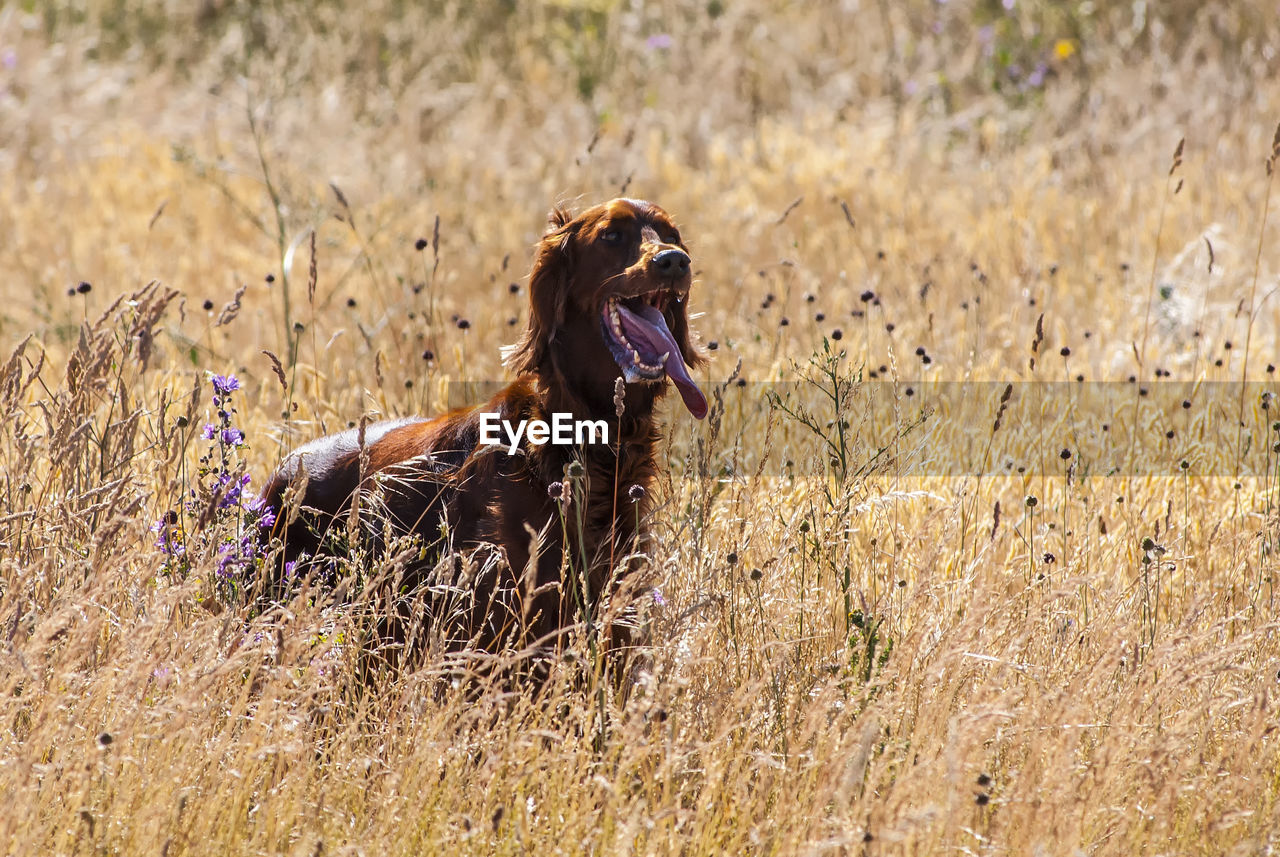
{"type": "Point", "coordinates": [635, 357]}
{"type": "Point", "coordinates": [662, 361]}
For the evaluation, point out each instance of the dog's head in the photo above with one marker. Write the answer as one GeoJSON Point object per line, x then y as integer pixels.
{"type": "Point", "coordinates": [609, 292]}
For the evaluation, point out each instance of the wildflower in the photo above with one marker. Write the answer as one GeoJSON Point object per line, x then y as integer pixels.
{"type": "Point", "coordinates": [226, 560]}
{"type": "Point", "coordinates": [165, 536]}
{"type": "Point", "coordinates": [232, 436]}
{"type": "Point", "coordinates": [659, 42]}
{"type": "Point", "coordinates": [265, 513]}
{"type": "Point", "coordinates": [225, 384]}
{"type": "Point", "coordinates": [635, 493]}
{"type": "Point", "coordinates": [658, 598]}
{"type": "Point", "coordinates": [234, 555]}
{"type": "Point", "coordinates": [233, 493]}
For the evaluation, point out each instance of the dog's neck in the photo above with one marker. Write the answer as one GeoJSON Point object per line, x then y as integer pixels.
{"type": "Point", "coordinates": [597, 401]}
{"type": "Point", "coordinates": [628, 458]}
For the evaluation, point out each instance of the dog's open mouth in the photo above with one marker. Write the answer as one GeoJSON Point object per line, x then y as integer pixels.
{"type": "Point", "coordinates": [641, 341]}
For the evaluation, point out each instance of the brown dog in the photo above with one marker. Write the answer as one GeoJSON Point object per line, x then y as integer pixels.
{"type": "Point", "coordinates": [608, 294]}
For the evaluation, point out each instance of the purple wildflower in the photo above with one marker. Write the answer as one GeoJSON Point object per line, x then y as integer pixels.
{"type": "Point", "coordinates": [659, 42]}
{"type": "Point", "coordinates": [225, 383]}
{"type": "Point", "coordinates": [233, 488]}
{"type": "Point", "coordinates": [226, 559]}
{"type": "Point", "coordinates": [165, 541]}
{"type": "Point", "coordinates": [657, 597]}
{"type": "Point", "coordinates": [232, 436]}
{"type": "Point", "coordinates": [235, 555]}
{"type": "Point", "coordinates": [265, 512]}
{"type": "Point", "coordinates": [208, 431]}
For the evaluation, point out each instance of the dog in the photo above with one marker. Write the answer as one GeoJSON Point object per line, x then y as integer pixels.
{"type": "Point", "coordinates": [548, 529]}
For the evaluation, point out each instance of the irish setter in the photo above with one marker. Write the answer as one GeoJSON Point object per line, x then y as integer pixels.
{"type": "Point", "coordinates": [609, 295]}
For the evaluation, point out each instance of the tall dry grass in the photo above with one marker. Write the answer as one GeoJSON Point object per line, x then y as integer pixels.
{"type": "Point", "coordinates": [885, 627]}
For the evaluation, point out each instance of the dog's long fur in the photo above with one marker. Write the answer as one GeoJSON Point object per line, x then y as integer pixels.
{"type": "Point", "coordinates": [432, 478]}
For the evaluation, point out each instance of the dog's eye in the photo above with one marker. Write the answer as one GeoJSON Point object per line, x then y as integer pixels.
{"type": "Point", "coordinates": [611, 236]}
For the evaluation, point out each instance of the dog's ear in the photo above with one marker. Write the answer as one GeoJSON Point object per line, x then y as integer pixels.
{"type": "Point", "coordinates": [558, 217]}
{"type": "Point", "coordinates": [549, 284]}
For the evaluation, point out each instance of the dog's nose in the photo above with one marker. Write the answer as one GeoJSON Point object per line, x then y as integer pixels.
{"type": "Point", "coordinates": [671, 263]}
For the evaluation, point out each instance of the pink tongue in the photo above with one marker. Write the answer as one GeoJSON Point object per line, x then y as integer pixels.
{"type": "Point", "coordinates": [652, 327]}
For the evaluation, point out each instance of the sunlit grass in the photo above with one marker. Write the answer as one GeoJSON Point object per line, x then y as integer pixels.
{"type": "Point", "coordinates": [890, 652]}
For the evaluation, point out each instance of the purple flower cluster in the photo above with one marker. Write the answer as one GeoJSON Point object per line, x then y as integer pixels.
{"type": "Point", "coordinates": [224, 385]}
{"type": "Point", "coordinates": [168, 537]}
{"type": "Point", "coordinates": [224, 488]}
{"type": "Point", "coordinates": [237, 557]}
{"type": "Point", "coordinates": [228, 490]}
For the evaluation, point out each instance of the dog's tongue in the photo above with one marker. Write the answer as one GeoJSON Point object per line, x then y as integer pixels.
{"type": "Point", "coordinates": [650, 327]}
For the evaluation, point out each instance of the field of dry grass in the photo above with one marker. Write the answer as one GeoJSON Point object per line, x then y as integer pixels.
{"type": "Point", "coordinates": [885, 625]}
